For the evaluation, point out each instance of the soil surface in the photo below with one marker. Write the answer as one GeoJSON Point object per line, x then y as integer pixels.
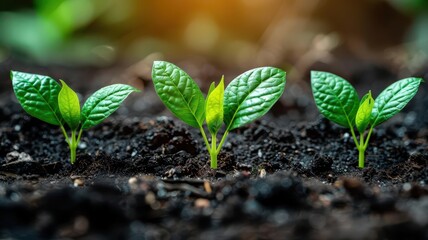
{"type": "Point", "coordinates": [149, 178]}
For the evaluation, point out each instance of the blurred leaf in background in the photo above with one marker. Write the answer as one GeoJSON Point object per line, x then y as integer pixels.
{"type": "Point", "coordinates": [51, 31]}
{"type": "Point", "coordinates": [237, 34]}
{"type": "Point", "coordinates": [415, 50]}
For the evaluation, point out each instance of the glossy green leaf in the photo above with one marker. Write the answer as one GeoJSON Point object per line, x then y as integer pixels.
{"type": "Point", "coordinates": [335, 98]}
{"type": "Point", "coordinates": [363, 116]}
{"type": "Point", "coordinates": [69, 106]}
{"type": "Point", "coordinates": [38, 96]}
{"type": "Point", "coordinates": [394, 98]}
{"type": "Point", "coordinates": [251, 95]}
{"type": "Point", "coordinates": [179, 93]}
{"type": "Point", "coordinates": [103, 103]}
{"type": "Point", "coordinates": [214, 108]}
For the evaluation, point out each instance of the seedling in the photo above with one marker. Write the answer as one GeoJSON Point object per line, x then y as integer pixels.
{"type": "Point", "coordinates": [42, 97]}
{"type": "Point", "coordinates": [248, 97]}
{"type": "Point", "coordinates": [338, 101]}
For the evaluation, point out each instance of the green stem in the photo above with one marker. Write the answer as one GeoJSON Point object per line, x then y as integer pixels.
{"type": "Point", "coordinates": [213, 148]}
{"type": "Point", "coordinates": [363, 147]}
{"type": "Point", "coordinates": [204, 136]}
{"type": "Point", "coordinates": [222, 141]}
{"type": "Point", "coordinates": [213, 156]}
{"type": "Point", "coordinates": [368, 137]}
{"type": "Point", "coordinates": [213, 152]}
{"type": "Point", "coordinates": [354, 136]}
{"type": "Point", "coordinates": [360, 146]}
{"type": "Point", "coordinates": [73, 146]}
{"type": "Point", "coordinates": [361, 151]}
{"type": "Point", "coordinates": [67, 139]}
{"type": "Point", "coordinates": [78, 137]}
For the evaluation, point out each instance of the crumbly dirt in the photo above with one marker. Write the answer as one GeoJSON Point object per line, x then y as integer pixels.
{"type": "Point", "coordinates": [149, 178]}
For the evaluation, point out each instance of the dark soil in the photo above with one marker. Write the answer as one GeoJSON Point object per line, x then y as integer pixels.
{"type": "Point", "coordinates": [149, 178]}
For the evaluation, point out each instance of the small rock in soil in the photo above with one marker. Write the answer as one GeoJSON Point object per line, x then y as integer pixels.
{"type": "Point", "coordinates": [78, 182]}
{"type": "Point", "coordinates": [24, 165]}
{"type": "Point", "coordinates": [15, 156]}
{"type": "Point", "coordinates": [202, 203]}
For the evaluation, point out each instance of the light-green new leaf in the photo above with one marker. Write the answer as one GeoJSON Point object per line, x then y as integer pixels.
{"type": "Point", "coordinates": [103, 103]}
{"type": "Point", "coordinates": [212, 87]}
{"type": "Point", "coordinates": [363, 116]}
{"type": "Point", "coordinates": [179, 93]}
{"type": "Point", "coordinates": [38, 96]}
{"type": "Point", "coordinates": [69, 106]}
{"type": "Point", "coordinates": [394, 98]}
{"type": "Point", "coordinates": [251, 94]}
{"type": "Point", "coordinates": [214, 108]}
{"type": "Point", "coordinates": [335, 98]}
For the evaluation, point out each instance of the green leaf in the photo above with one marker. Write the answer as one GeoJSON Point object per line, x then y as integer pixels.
{"type": "Point", "coordinates": [335, 98]}
{"type": "Point", "coordinates": [212, 87]}
{"type": "Point", "coordinates": [365, 97]}
{"type": "Point", "coordinates": [103, 103]}
{"type": "Point", "coordinates": [363, 116]}
{"type": "Point", "coordinates": [179, 93]}
{"type": "Point", "coordinates": [69, 106]}
{"type": "Point", "coordinates": [394, 98]}
{"type": "Point", "coordinates": [38, 96]}
{"type": "Point", "coordinates": [214, 108]}
{"type": "Point", "coordinates": [250, 95]}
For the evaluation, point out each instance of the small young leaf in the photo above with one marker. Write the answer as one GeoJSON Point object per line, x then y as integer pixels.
{"type": "Point", "coordinates": [212, 87]}
{"type": "Point", "coordinates": [103, 103]}
{"type": "Point", "coordinates": [38, 96]}
{"type": "Point", "coordinates": [362, 118]}
{"type": "Point", "coordinates": [251, 95]}
{"type": "Point", "coordinates": [394, 98]}
{"type": "Point", "coordinates": [214, 108]}
{"type": "Point", "coordinates": [335, 98]}
{"type": "Point", "coordinates": [179, 93]}
{"type": "Point", "coordinates": [365, 97]}
{"type": "Point", "coordinates": [69, 106]}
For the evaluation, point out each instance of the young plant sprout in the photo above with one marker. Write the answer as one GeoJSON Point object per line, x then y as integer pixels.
{"type": "Point", "coordinates": [246, 98]}
{"type": "Point", "coordinates": [338, 101]}
{"type": "Point", "coordinates": [42, 97]}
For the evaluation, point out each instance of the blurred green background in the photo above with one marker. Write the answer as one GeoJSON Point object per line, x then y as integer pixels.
{"type": "Point", "coordinates": [237, 34]}
{"type": "Point", "coordinates": [92, 43]}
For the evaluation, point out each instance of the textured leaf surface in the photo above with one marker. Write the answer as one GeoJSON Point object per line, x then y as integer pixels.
{"type": "Point", "coordinates": [335, 98]}
{"type": "Point", "coordinates": [251, 95]}
{"type": "Point", "coordinates": [103, 103]}
{"type": "Point", "coordinates": [38, 96]}
{"type": "Point", "coordinates": [214, 108]}
{"type": "Point", "coordinates": [394, 98]}
{"type": "Point", "coordinates": [69, 106]}
{"type": "Point", "coordinates": [179, 93]}
{"type": "Point", "coordinates": [363, 116]}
